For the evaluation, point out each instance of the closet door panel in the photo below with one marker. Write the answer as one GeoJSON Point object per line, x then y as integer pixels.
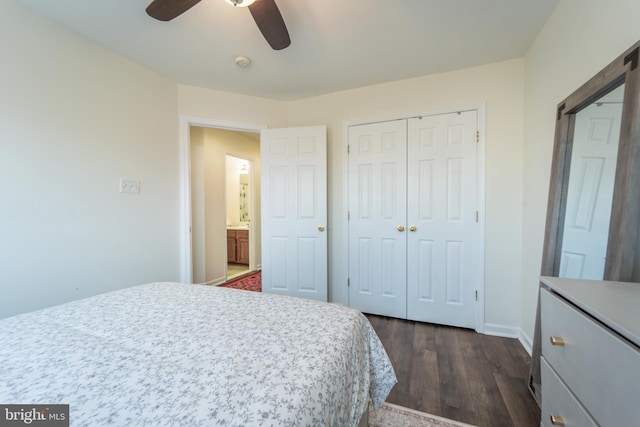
{"type": "Point", "coordinates": [441, 211]}
{"type": "Point", "coordinates": [377, 211]}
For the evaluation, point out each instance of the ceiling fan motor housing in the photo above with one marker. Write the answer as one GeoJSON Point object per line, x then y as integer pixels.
{"type": "Point", "coordinates": [240, 3]}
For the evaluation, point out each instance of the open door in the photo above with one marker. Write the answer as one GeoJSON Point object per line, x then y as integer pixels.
{"type": "Point", "coordinates": [294, 211]}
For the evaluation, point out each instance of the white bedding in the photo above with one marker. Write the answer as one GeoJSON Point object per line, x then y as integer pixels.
{"type": "Point", "coordinates": [190, 355]}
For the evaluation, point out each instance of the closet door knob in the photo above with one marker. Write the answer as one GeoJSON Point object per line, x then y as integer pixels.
{"type": "Point", "coordinates": [413, 228]}
{"type": "Point", "coordinates": [400, 228]}
{"type": "Point", "coordinates": [321, 228]}
{"type": "Point", "coordinates": [556, 341]}
{"type": "Point", "coordinates": [556, 421]}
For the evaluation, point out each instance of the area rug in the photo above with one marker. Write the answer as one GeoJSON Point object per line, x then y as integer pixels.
{"type": "Point", "coordinates": [390, 415]}
{"type": "Point", "coordinates": [250, 282]}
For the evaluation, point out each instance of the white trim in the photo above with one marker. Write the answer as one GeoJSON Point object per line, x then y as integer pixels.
{"type": "Point", "coordinates": [481, 191]}
{"type": "Point", "coordinates": [525, 341]}
{"type": "Point", "coordinates": [481, 162]}
{"type": "Point", "coordinates": [344, 260]}
{"type": "Point", "coordinates": [186, 266]}
{"type": "Point", "coordinates": [501, 331]}
{"type": "Point", "coordinates": [437, 111]}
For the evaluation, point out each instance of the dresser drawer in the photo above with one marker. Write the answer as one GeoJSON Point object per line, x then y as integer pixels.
{"type": "Point", "coordinates": [558, 401]}
{"type": "Point", "coordinates": [601, 369]}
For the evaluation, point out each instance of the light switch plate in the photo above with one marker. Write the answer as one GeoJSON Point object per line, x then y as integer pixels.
{"type": "Point", "coordinates": [130, 186]}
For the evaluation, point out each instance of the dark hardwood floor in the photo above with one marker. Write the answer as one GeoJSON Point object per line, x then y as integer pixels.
{"type": "Point", "coordinates": [459, 374]}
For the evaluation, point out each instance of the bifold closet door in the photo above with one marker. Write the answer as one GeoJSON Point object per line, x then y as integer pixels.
{"type": "Point", "coordinates": [413, 232]}
{"type": "Point", "coordinates": [441, 216]}
{"type": "Point", "coordinates": [377, 218]}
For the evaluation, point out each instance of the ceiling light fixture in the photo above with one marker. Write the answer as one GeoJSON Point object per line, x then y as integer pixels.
{"type": "Point", "coordinates": [240, 3]}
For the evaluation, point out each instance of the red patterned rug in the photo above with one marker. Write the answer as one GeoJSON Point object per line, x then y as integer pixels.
{"type": "Point", "coordinates": [251, 282]}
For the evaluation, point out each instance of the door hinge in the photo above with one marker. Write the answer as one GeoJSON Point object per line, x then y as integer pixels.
{"type": "Point", "coordinates": [476, 295]}
{"type": "Point", "coordinates": [477, 216]}
{"type": "Point", "coordinates": [348, 148]}
{"type": "Point", "coordinates": [477, 136]}
{"type": "Point", "coordinates": [348, 281]}
{"type": "Point", "coordinates": [348, 215]}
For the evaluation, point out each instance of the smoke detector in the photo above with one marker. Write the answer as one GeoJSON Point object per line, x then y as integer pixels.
{"type": "Point", "coordinates": [242, 61]}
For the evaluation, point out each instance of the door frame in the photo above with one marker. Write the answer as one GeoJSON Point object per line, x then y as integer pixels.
{"type": "Point", "coordinates": [186, 255]}
{"type": "Point", "coordinates": [480, 191]}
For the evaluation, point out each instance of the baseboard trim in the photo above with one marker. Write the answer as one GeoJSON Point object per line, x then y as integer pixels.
{"type": "Point", "coordinates": [501, 330]}
{"type": "Point", "coordinates": [526, 342]}
{"type": "Point", "coordinates": [509, 332]}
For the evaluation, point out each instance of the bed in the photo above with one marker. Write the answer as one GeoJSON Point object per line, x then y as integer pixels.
{"type": "Point", "coordinates": [176, 354]}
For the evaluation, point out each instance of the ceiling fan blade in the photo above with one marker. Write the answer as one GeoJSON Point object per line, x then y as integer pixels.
{"type": "Point", "coordinates": [166, 10]}
{"type": "Point", "coordinates": [270, 22]}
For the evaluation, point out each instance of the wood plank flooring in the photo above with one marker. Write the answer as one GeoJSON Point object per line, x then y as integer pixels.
{"type": "Point", "coordinates": [459, 374]}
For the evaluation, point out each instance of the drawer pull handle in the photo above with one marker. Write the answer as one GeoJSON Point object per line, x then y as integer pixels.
{"type": "Point", "coordinates": [557, 341]}
{"type": "Point", "coordinates": [556, 421]}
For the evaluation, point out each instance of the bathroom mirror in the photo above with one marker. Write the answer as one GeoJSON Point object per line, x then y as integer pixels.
{"type": "Point", "coordinates": [244, 194]}
{"type": "Point", "coordinates": [238, 191]}
{"type": "Point", "coordinates": [593, 190]}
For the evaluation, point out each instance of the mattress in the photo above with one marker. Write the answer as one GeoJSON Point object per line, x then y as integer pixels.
{"type": "Point", "coordinates": [177, 354]}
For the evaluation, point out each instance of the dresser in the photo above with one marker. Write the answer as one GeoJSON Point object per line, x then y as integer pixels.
{"type": "Point", "coordinates": [590, 361]}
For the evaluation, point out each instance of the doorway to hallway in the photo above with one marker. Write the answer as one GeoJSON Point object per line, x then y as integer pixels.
{"type": "Point", "coordinates": [224, 203]}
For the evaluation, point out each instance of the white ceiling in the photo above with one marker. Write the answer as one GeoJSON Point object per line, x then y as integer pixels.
{"type": "Point", "coordinates": [335, 44]}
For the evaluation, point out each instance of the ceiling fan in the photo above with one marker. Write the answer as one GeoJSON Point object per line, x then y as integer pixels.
{"type": "Point", "coordinates": [264, 12]}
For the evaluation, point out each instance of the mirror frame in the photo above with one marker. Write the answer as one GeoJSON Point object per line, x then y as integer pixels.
{"type": "Point", "coordinates": [625, 210]}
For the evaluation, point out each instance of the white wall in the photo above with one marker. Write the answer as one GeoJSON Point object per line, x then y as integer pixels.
{"type": "Point", "coordinates": [579, 39]}
{"type": "Point", "coordinates": [228, 107]}
{"type": "Point", "coordinates": [74, 119]}
{"type": "Point", "coordinates": [501, 86]}
{"type": "Point", "coordinates": [197, 184]}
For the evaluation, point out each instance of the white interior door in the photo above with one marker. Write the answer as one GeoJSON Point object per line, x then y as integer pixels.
{"type": "Point", "coordinates": [294, 211]}
{"type": "Point", "coordinates": [414, 239]}
{"type": "Point", "coordinates": [443, 241]}
{"type": "Point", "coordinates": [377, 218]}
{"type": "Point", "coordinates": [590, 191]}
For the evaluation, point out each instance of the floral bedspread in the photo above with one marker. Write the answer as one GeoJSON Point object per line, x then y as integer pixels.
{"type": "Point", "coordinates": [165, 354]}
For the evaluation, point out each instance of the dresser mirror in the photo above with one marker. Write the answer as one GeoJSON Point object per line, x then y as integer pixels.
{"type": "Point", "coordinates": [593, 210]}
{"type": "Point", "coordinates": [592, 168]}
